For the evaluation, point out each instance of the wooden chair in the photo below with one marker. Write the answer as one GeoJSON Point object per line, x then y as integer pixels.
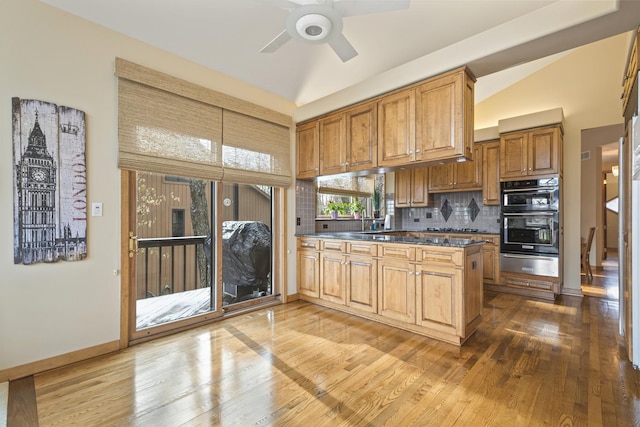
{"type": "Point", "coordinates": [584, 255]}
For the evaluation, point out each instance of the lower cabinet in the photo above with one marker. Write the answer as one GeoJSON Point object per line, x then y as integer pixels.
{"type": "Point", "coordinates": [397, 290]}
{"type": "Point", "coordinates": [491, 260]}
{"type": "Point", "coordinates": [431, 290]}
{"type": "Point", "coordinates": [362, 283]}
{"type": "Point", "coordinates": [308, 271]}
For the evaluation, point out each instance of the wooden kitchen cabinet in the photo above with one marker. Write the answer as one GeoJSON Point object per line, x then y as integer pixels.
{"type": "Point", "coordinates": [348, 140]}
{"type": "Point", "coordinates": [397, 290]}
{"type": "Point", "coordinates": [362, 137]}
{"type": "Point", "coordinates": [362, 277]}
{"type": "Point", "coordinates": [308, 267]}
{"type": "Point", "coordinates": [533, 286]}
{"type": "Point", "coordinates": [459, 176]}
{"type": "Point", "coordinates": [531, 153]}
{"type": "Point", "coordinates": [446, 300]}
{"type": "Point", "coordinates": [431, 290]}
{"type": "Point", "coordinates": [491, 260]}
{"type": "Point", "coordinates": [491, 173]}
{"type": "Point", "coordinates": [332, 271]}
{"type": "Point", "coordinates": [412, 188]}
{"type": "Point", "coordinates": [396, 128]}
{"type": "Point", "coordinates": [307, 150]}
{"type": "Point", "coordinates": [444, 117]}
{"type": "Point", "coordinates": [333, 154]}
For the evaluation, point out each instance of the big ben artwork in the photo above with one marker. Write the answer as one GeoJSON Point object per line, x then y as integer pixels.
{"type": "Point", "coordinates": [50, 202]}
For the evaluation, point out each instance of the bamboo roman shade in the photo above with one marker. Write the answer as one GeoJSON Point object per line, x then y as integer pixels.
{"type": "Point", "coordinates": [255, 151]}
{"type": "Point", "coordinates": [170, 126]}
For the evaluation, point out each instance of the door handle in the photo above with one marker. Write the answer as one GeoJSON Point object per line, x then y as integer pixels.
{"type": "Point", "coordinates": [133, 244]}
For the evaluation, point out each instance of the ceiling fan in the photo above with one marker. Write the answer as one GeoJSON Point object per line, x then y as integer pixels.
{"type": "Point", "coordinates": [320, 21]}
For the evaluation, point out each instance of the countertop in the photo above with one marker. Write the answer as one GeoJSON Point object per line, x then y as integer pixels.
{"type": "Point", "coordinates": [383, 237]}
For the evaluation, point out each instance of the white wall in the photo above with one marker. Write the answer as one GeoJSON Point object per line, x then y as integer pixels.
{"type": "Point", "coordinates": [52, 309]}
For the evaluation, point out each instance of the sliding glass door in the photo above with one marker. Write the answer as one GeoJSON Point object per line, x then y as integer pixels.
{"type": "Point", "coordinates": [174, 251]}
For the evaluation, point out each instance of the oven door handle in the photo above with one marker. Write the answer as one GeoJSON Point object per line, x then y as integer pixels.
{"type": "Point", "coordinates": [528, 213]}
{"type": "Point", "coordinates": [528, 190]}
{"type": "Point", "coordinates": [529, 257]}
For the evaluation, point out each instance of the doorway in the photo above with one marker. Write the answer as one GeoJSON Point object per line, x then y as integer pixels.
{"type": "Point", "coordinates": [173, 249]}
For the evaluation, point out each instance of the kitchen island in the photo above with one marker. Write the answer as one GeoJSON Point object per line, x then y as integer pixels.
{"type": "Point", "coordinates": [430, 286]}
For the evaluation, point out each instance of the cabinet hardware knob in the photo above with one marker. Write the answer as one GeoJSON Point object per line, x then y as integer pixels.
{"type": "Point", "coordinates": [418, 150]}
{"type": "Point", "coordinates": [529, 168]}
{"type": "Point", "coordinates": [411, 273]}
{"type": "Point", "coordinates": [417, 273]}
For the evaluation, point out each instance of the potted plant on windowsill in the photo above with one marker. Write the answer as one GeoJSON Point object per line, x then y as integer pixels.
{"type": "Point", "coordinates": [334, 208]}
{"type": "Point", "coordinates": [357, 209]}
{"type": "Point", "coordinates": [376, 203]}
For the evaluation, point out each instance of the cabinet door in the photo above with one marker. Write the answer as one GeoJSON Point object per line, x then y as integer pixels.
{"type": "Point", "coordinates": [403, 188]}
{"type": "Point", "coordinates": [468, 175]}
{"type": "Point", "coordinates": [419, 187]}
{"type": "Point", "coordinates": [307, 150]}
{"type": "Point", "coordinates": [362, 131]}
{"type": "Point", "coordinates": [332, 144]}
{"type": "Point", "coordinates": [543, 153]}
{"type": "Point", "coordinates": [397, 290]}
{"type": "Point", "coordinates": [491, 173]}
{"type": "Point", "coordinates": [513, 155]}
{"type": "Point", "coordinates": [439, 118]}
{"type": "Point", "coordinates": [308, 276]}
{"type": "Point", "coordinates": [490, 262]}
{"type": "Point", "coordinates": [332, 280]}
{"type": "Point", "coordinates": [441, 177]}
{"type": "Point", "coordinates": [362, 279]}
{"type": "Point", "coordinates": [396, 129]}
{"type": "Point", "coordinates": [439, 300]}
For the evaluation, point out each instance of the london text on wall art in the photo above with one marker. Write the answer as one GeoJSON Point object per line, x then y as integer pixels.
{"type": "Point", "coordinates": [50, 183]}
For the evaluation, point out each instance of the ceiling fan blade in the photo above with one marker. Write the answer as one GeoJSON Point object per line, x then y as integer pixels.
{"type": "Point", "coordinates": [276, 43]}
{"type": "Point", "coordinates": [365, 7]}
{"type": "Point", "coordinates": [282, 4]}
{"type": "Point", "coordinates": [343, 48]}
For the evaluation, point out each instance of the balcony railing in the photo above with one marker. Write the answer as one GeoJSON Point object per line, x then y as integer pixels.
{"type": "Point", "coordinates": [170, 265]}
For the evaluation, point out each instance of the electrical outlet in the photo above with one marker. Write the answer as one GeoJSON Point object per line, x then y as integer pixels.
{"type": "Point", "coordinates": [416, 219]}
{"type": "Point", "coordinates": [325, 226]}
{"type": "Point", "coordinates": [298, 221]}
{"type": "Point", "coordinates": [429, 215]}
{"type": "Point", "coordinates": [96, 209]}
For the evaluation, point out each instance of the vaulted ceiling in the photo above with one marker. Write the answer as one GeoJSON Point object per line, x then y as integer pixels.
{"type": "Point", "coordinates": [430, 35]}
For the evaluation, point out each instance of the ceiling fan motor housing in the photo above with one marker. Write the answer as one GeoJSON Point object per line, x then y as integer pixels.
{"type": "Point", "coordinates": [314, 23]}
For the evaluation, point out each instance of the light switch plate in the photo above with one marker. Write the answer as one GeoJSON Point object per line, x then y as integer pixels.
{"type": "Point", "coordinates": [96, 209]}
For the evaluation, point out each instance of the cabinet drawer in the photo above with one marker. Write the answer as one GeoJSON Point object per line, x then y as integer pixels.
{"type": "Point", "coordinates": [440, 256]}
{"type": "Point", "coordinates": [527, 283]}
{"type": "Point", "coordinates": [404, 252]}
{"type": "Point", "coordinates": [361, 248]}
{"type": "Point", "coordinates": [305, 243]}
{"type": "Point", "coordinates": [333, 245]}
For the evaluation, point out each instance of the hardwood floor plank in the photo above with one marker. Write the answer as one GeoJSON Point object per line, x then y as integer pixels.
{"type": "Point", "coordinates": [22, 410]}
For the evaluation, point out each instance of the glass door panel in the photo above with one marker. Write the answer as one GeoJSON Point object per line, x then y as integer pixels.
{"type": "Point", "coordinates": [173, 261]}
{"type": "Point", "coordinates": [246, 242]}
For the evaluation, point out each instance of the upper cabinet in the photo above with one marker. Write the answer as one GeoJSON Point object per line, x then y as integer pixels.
{"type": "Point", "coordinates": [307, 150]}
{"type": "Point", "coordinates": [362, 136]}
{"type": "Point", "coordinates": [348, 140]}
{"type": "Point", "coordinates": [411, 188]}
{"type": "Point", "coordinates": [535, 152]}
{"type": "Point", "coordinates": [458, 176]}
{"type": "Point", "coordinates": [444, 117]}
{"type": "Point", "coordinates": [333, 155]}
{"type": "Point", "coordinates": [491, 173]}
{"type": "Point", "coordinates": [396, 128]}
{"type": "Point", "coordinates": [425, 123]}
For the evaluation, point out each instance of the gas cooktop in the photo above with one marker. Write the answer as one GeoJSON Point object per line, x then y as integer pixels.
{"type": "Point", "coordinates": [452, 230]}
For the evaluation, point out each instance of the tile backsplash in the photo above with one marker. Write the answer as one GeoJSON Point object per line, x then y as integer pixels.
{"type": "Point", "coordinates": [305, 207]}
{"type": "Point", "coordinates": [465, 210]}
{"type": "Point", "coordinates": [453, 210]}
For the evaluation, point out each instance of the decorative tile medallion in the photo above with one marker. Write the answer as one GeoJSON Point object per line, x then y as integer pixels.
{"type": "Point", "coordinates": [474, 210]}
{"type": "Point", "coordinates": [446, 210]}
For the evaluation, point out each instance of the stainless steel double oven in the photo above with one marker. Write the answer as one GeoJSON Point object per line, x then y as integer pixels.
{"type": "Point", "coordinates": [530, 235]}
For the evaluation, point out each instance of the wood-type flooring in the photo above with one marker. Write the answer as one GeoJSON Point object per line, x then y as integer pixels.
{"type": "Point", "coordinates": [531, 363]}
